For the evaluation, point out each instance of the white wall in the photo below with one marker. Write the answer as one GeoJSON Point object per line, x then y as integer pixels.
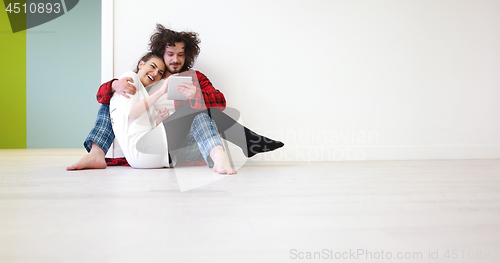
{"type": "Point", "coordinates": [343, 80]}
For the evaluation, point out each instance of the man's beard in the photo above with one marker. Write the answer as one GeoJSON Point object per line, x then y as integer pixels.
{"type": "Point", "coordinates": [175, 71]}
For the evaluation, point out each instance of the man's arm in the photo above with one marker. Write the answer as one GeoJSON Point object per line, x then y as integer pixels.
{"type": "Point", "coordinates": [206, 95]}
{"type": "Point", "coordinates": [213, 98]}
{"type": "Point", "coordinates": [121, 86]}
{"type": "Point", "coordinates": [105, 92]}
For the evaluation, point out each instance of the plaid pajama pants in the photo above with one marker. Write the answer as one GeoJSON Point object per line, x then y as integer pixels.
{"type": "Point", "coordinates": [202, 137]}
{"type": "Point", "coordinates": [102, 133]}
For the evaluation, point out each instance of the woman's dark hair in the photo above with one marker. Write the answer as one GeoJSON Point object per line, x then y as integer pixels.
{"type": "Point", "coordinates": [146, 58]}
{"type": "Point", "coordinates": [163, 37]}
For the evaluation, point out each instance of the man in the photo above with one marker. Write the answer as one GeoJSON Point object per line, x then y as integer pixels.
{"type": "Point", "coordinates": [179, 51]}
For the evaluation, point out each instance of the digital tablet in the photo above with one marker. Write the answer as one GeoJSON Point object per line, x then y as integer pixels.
{"type": "Point", "coordinates": [173, 82]}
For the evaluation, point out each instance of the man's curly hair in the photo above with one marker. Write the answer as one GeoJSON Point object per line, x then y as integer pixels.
{"type": "Point", "coordinates": [163, 37]}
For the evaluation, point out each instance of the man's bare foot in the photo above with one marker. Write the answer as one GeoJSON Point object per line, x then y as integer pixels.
{"type": "Point", "coordinates": [95, 159]}
{"type": "Point", "coordinates": [221, 163]}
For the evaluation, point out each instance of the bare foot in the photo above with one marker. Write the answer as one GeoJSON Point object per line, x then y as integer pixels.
{"type": "Point", "coordinates": [95, 159]}
{"type": "Point", "coordinates": [221, 163]}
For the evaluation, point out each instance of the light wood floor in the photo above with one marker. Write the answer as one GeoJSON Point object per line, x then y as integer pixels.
{"type": "Point", "coordinates": [268, 212]}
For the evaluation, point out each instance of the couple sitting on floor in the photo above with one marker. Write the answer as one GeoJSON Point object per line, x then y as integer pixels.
{"type": "Point", "coordinates": [146, 130]}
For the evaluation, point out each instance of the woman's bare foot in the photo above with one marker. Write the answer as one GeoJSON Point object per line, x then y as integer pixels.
{"type": "Point", "coordinates": [221, 163]}
{"type": "Point", "coordinates": [95, 159]}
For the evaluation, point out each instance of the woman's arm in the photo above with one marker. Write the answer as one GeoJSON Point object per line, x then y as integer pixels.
{"type": "Point", "coordinates": [161, 114]}
{"type": "Point", "coordinates": [142, 106]}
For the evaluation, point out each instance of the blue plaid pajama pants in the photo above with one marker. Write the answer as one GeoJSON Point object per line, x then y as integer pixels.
{"type": "Point", "coordinates": [102, 133]}
{"type": "Point", "coordinates": [202, 137]}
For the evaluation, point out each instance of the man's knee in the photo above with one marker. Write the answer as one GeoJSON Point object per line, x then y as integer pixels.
{"type": "Point", "coordinates": [202, 117]}
{"type": "Point", "coordinates": [203, 121]}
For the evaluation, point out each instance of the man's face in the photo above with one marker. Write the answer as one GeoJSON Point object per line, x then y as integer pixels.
{"type": "Point", "coordinates": [174, 57]}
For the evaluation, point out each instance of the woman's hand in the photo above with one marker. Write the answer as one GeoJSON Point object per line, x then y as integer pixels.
{"type": "Point", "coordinates": [188, 90]}
{"type": "Point", "coordinates": [162, 114]}
{"type": "Point", "coordinates": [164, 88]}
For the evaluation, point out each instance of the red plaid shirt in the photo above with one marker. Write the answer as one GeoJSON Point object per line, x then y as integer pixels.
{"type": "Point", "coordinates": [212, 98]}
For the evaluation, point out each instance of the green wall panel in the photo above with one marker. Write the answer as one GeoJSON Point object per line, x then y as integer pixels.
{"type": "Point", "coordinates": [13, 85]}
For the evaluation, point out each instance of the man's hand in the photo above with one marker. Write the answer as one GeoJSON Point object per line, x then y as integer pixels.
{"type": "Point", "coordinates": [188, 90]}
{"type": "Point", "coordinates": [122, 87]}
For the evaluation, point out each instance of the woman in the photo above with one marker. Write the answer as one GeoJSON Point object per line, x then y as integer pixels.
{"type": "Point", "coordinates": [139, 128]}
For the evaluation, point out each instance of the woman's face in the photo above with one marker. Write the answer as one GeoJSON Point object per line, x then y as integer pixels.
{"type": "Point", "coordinates": [151, 71]}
